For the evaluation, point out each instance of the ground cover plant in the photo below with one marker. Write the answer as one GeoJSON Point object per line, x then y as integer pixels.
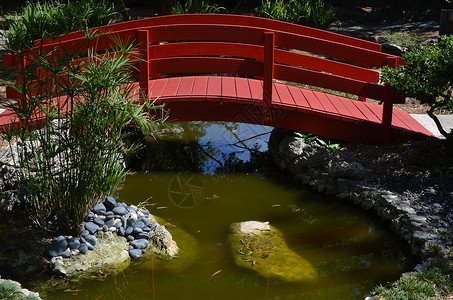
{"type": "Point", "coordinates": [428, 77]}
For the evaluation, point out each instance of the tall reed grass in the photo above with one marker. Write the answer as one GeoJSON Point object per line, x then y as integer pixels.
{"type": "Point", "coordinates": [76, 158]}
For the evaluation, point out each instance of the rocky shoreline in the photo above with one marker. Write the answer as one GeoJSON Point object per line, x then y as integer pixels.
{"type": "Point", "coordinates": [339, 174]}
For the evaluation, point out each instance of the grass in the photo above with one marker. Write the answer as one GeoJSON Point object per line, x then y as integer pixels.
{"type": "Point", "coordinates": [402, 38]}
{"type": "Point", "coordinates": [433, 281]}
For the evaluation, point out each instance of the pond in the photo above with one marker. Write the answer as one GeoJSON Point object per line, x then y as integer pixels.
{"type": "Point", "coordinates": [211, 175]}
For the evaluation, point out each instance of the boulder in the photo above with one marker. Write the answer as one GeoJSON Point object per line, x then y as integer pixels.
{"type": "Point", "coordinates": [260, 247]}
{"type": "Point", "coordinates": [108, 256]}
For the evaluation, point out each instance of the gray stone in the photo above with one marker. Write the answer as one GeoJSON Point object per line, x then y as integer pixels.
{"type": "Point", "coordinates": [129, 230]}
{"type": "Point", "coordinates": [109, 215]}
{"type": "Point", "coordinates": [110, 223]}
{"type": "Point", "coordinates": [90, 246]}
{"type": "Point", "coordinates": [98, 222]}
{"type": "Point", "coordinates": [137, 230]}
{"type": "Point", "coordinates": [74, 243]}
{"type": "Point", "coordinates": [105, 228]}
{"type": "Point", "coordinates": [91, 239]}
{"type": "Point", "coordinates": [66, 254]}
{"type": "Point", "coordinates": [141, 235]}
{"type": "Point", "coordinates": [140, 243]}
{"type": "Point", "coordinates": [119, 210]}
{"type": "Point", "coordinates": [131, 221]}
{"type": "Point", "coordinates": [135, 253]}
{"type": "Point", "coordinates": [58, 246]}
{"type": "Point", "coordinates": [130, 238]}
{"type": "Point", "coordinates": [91, 227]}
{"type": "Point", "coordinates": [109, 203]}
{"type": "Point", "coordinates": [121, 231]}
{"type": "Point", "coordinates": [146, 229]}
{"type": "Point", "coordinates": [99, 209]}
{"type": "Point", "coordinates": [139, 224]}
{"type": "Point", "coordinates": [83, 248]}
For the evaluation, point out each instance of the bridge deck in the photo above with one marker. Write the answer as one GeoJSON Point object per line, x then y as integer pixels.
{"type": "Point", "coordinates": [238, 99]}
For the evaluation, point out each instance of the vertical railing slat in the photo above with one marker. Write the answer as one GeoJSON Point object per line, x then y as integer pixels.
{"type": "Point", "coordinates": [268, 74]}
{"type": "Point", "coordinates": [143, 39]}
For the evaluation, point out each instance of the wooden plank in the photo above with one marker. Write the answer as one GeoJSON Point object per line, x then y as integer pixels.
{"type": "Point", "coordinates": [376, 109]}
{"type": "Point", "coordinates": [256, 89]}
{"type": "Point", "coordinates": [186, 86]}
{"type": "Point", "coordinates": [313, 100]}
{"type": "Point", "coordinates": [350, 105]}
{"type": "Point", "coordinates": [298, 97]}
{"type": "Point", "coordinates": [329, 108]}
{"type": "Point", "coordinates": [242, 88]}
{"type": "Point", "coordinates": [228, 87]}
{"type": "Point", "coordinates": [206, 65]}
{"type": "Point", "coordinates": [171, 88]}
{"type": "Point", "coordinates": [158, 88]}
{"type": "Point", "coordinates": [208, 49]}
{"type": "Point", "coordinates": [200, 86]}
{"type": "Point", "coordinates": [369, 115]}
{"type": "Point", "coordinates": [285, 96]}
{"type": "Point", "coordinates": [339, 105]}
{"type": "Point", "coordinates": [329, 81]}
{"type": "Point", "coordinates": [326, 65]}
{"type": "Point", "coordinates": [214, 87]}
{"type": "Point", "coordinates": [232, 20]}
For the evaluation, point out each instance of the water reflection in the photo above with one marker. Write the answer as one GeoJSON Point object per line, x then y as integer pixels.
{"type": "Point", "coordinates": [206, 148]}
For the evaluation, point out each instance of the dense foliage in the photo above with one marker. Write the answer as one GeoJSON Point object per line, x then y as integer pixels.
{"type": "Point", "coordinates": [39, 20]}
{"type": "Point", "coordinates": [315, 13]}
{"type": "Point", "coordinates": [427, 76]}
{"type": "Point", "coordinates": [190, 7]}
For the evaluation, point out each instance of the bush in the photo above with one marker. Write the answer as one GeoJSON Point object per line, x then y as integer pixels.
{"type": "Point", "coordinates": [40, 20]}
{"type": "Point", "coordinates": [315, 13]}
{"type": "Point", "coordinates": [70, 164]}
{"type": "Point", "coordinates": [190, 6]}
{"type": "Point", "coordinates": [427, 76]}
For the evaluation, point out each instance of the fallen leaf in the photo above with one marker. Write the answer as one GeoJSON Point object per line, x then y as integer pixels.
{"type": "Point", "coordinates": [215, 273]}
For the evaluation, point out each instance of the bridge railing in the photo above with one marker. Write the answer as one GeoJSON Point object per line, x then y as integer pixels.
{"type": "Point", "coordinates": [239, 46]}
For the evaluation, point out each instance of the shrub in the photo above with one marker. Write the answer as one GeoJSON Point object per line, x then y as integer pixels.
{"type": "Point", "coordinates": [70, 164]}
{"type": "Point", "coordinates": [192, 6]}
{"type": "Point", "coordinates": [39, 20]}
{"type": "Point", "coordinates": [427, 76]}
{"type": "Point", "coordinates": [315, 13]}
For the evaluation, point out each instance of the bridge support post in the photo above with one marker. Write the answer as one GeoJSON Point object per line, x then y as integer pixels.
{"type": "Point", "coordinates": [268, 74]}
{"type": "Point", "coordinates": [387, 111]}
{"type": "Point", "coordinates": [143, 64]}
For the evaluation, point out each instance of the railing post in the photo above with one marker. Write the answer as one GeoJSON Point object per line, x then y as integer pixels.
{"type": "Point", "coordinates": [387, 111]}
{"type": "Point", "coordinates": [143, 65]}
{"type": "Point", "coordinates": [268, 74]}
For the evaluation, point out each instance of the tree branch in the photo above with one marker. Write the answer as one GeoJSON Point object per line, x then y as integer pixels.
{"type": "Point", "coordinates": [438, 124]}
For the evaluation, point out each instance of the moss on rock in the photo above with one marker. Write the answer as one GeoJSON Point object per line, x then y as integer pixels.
{"type": "Point", "coordinates": [260, 247]}
{"type": "Point", "coordinates": [109, 256]}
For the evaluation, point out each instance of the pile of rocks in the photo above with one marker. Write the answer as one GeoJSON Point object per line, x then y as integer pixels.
{"type": "Point", "coordinates": [134, 224]}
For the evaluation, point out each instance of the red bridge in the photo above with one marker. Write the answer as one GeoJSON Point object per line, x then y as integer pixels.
{"type": "Point", "coordinates": [254, 70]}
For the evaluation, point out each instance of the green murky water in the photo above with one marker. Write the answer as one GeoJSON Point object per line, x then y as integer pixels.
{"type": "Point", "coordinates": [203, 185]}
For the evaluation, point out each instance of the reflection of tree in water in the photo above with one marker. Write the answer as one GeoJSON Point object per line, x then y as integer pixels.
{"type": "Point", "coordinates": [183, 150]}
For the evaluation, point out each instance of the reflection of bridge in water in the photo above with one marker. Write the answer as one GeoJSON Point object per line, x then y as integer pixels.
{"type": "Point", "coordinates": [272, 73]}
